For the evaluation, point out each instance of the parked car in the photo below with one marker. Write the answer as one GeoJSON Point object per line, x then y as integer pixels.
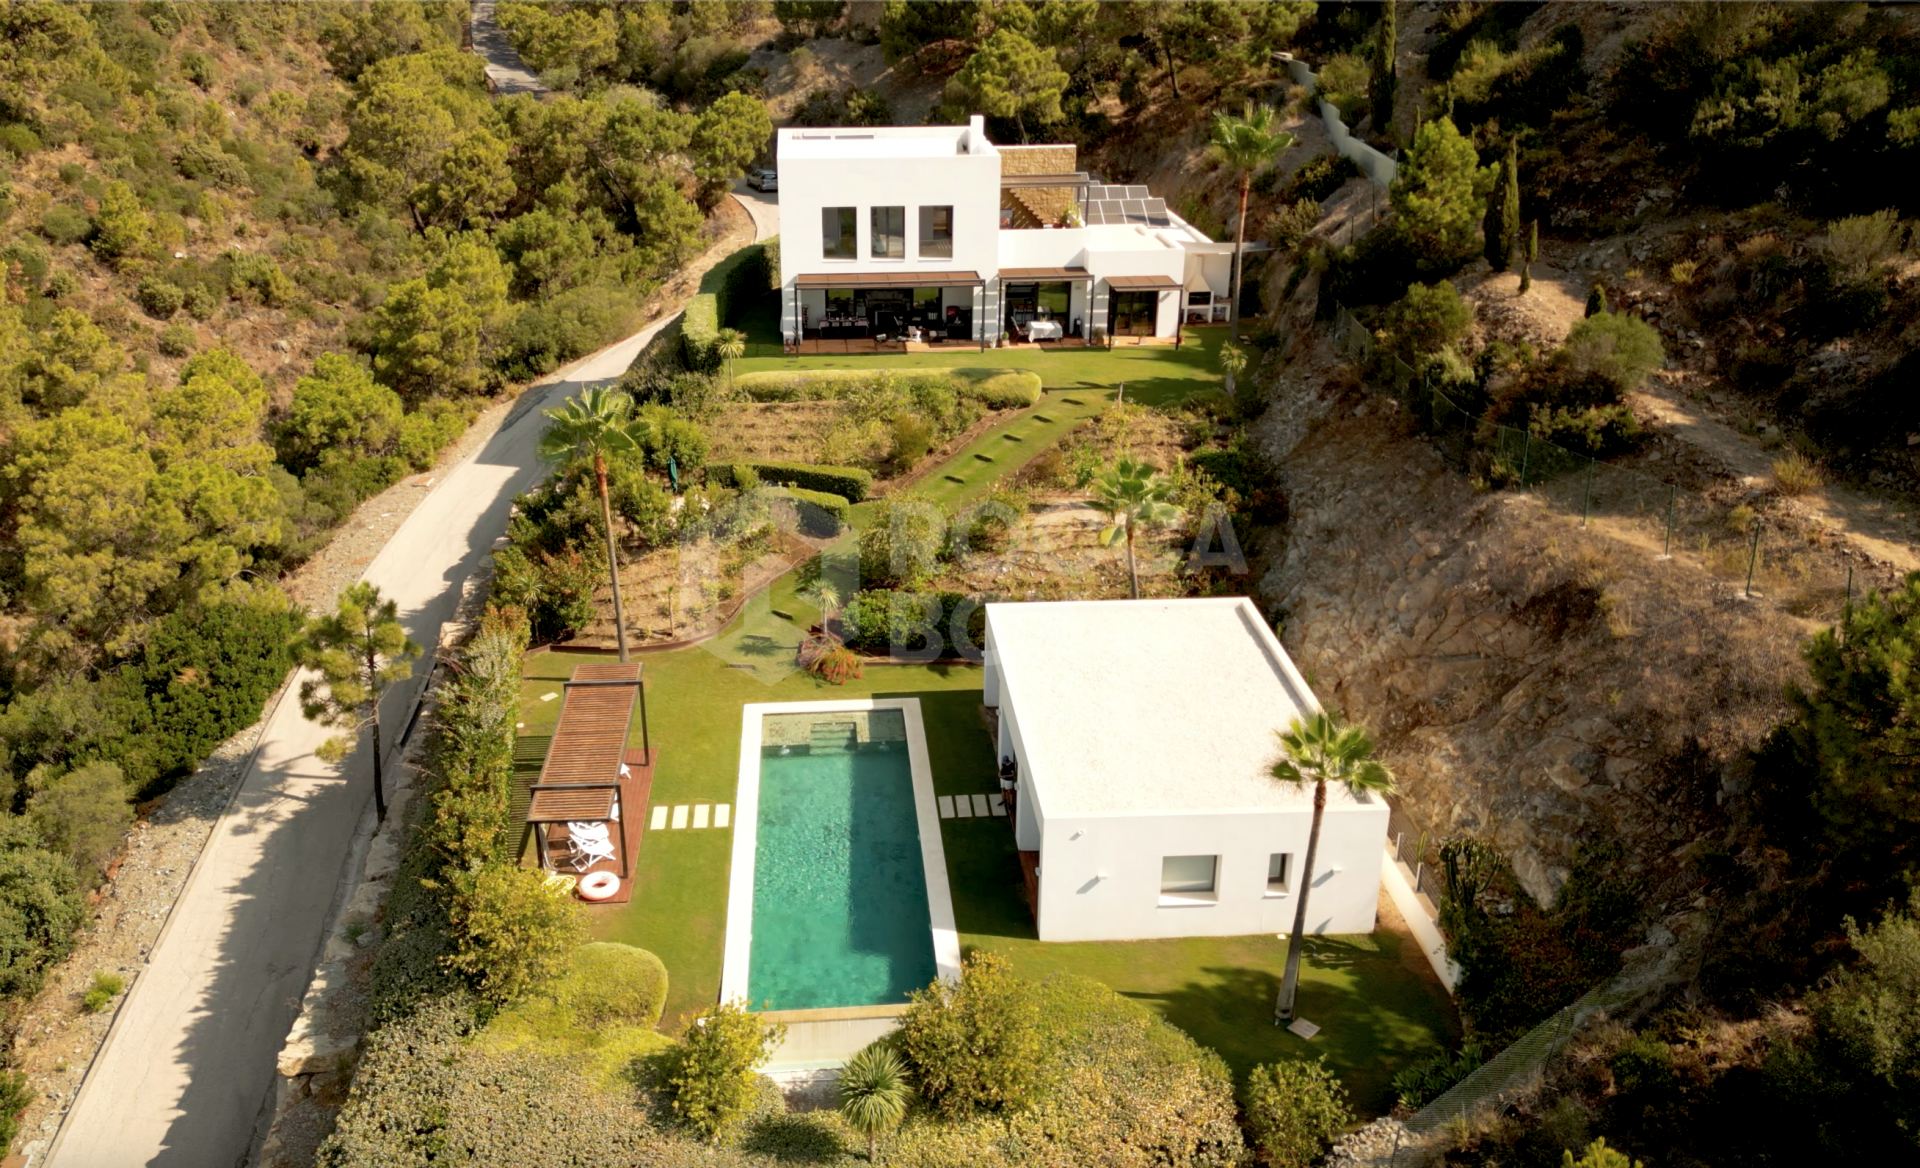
{"type": "Point", "coordinates": [764, 180]}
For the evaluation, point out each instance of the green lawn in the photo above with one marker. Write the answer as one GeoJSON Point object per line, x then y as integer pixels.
{"type": "Point", "coordinates": [1152, 374]}
{"type": "Point", "coordinates": [1378, 1009]}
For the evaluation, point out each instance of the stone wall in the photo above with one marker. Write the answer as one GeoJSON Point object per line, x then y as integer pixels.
{"type": "Point", "coordinates": [1041, 205]}
{"type": "Point", "coordinates": [1534, 683]}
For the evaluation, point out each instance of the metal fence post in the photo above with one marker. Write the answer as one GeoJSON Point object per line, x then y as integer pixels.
{"type": "Point", "coordinates": [1667, 549]}
{"type": "Point", "coordinates": [1753, 557]}
{"type": "Point", "coordinates": [1526, 451]}
{"type": "Point", "coordinates": [1586, 507]}
{"type": "Point", "coordinates": [1846, 613]}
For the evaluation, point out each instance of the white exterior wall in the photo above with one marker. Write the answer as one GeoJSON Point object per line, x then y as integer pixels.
{"type": "Point", "coordinates": [1100, 877]}
{"type": "Point", "coordinates": [969, 183]}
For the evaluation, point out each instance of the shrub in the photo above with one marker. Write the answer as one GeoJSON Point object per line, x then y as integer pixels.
{"type": "Point", "coordinates": [912, 439]}
{"type": "Point", "coordinates": [613, 985]}
{"type": "Point", "coordinates": [84, 816]}
{"type": "Point", "coordinates": [1596, 431]}
{"type": "Point", "coordinates": [40, 907]}
{"type": "Point", "coordinates": [1342, 81]}
{"type": "Point", "coordinates": [901, 544]}
{"type": "Point", "coordinates": [19, 140]}
{"type": "Point", "coordinates": [178, 339]}
{"type": "Point", "coordinates": [1420, 1083]}
{"type": "Point", "coordinates": [65, 225]}
{"type": "Point", "coordinates": [1294, 1109]}
{"type": "Point", "coordinates": [823, 515]}
{"type": "Point", "coordinates": [556, 329]}
{"type": "Point", "coordinates": [883, 622]}
{"type": "Point", "coordinates": [1598, 1155]}
{"type": "Point", "coordinates": [201, 302]}
{"type": "Point", "coordinates": [160, 298]}
{"type": "Point", "coordinates": [105, 988]}
{"type": "Point", "coordinates": [999, 389]}
{"type": "Point", "coordinates": [1426, 320]}
{"type": "Point", "coordinates": [1618, 349]}
{"type": "Point", "coordinates": [15, 1094]}
{"type": "Point", "coordinates": [1796, 474]}
{"type": "Point", "coordinates": [849, 482]}
{"type": "Point", "coordinates": [975, 1044]}
{"type": "Point", "coordinates": [1319, 177]}
{"type": "Point", "coordinates": [472, 747]}
{"type": "Point", "coordinates": [831, 662]}
{"type": "Point", "coordinates": [996, 389]}
{"type": "Point", "coordinates": [512, 929]}
{"type": "Point", "coordinates": [715, 1082]}
{"type": "Point", "coordinates": [555, 588]}
{"type": "Point", "coordinates": [428, 430]}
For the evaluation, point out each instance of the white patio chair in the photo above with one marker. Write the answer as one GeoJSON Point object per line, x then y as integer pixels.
{"type": "Point", "coordinates": [590, 844]}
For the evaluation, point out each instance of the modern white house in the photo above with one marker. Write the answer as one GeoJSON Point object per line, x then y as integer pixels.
{"type": "Point", "coordinates": [1141, 735]}
{"type": "Point", "coordinates": [936, 233]}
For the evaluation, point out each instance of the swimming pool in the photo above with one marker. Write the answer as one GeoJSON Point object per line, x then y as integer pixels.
{"type": "Point", "coordinates": [839, 894]}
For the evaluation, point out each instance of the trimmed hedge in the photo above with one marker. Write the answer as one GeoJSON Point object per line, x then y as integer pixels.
{"type": "Point", "coordinates": [849, 482]}
{"type": "Point", "coordinates": [729, 284]}
{"type": "Point", "coordinates": [997, 389]}
{"type": "Point", "coordinates": [829, 515]}
{"type": "Point", "coordinates": [879, 622]}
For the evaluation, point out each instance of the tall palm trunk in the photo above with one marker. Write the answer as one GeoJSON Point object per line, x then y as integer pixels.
{"type": "Point", "coordinates": [1290, 981]}
{"type": "Point", "coordinates": [1239, 242]}
{"type": "Point", "coordinates": [1133, 573]}
{"type": "Point", "coordinates": [613, 563]}
{"type": "Point", "coordinates": [379, 776]}
{"type": "Point", "coordinates": [873, 1148]}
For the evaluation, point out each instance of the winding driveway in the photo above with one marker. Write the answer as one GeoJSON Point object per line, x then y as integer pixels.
{"type": "Point", "coordinates": [187, 1072]}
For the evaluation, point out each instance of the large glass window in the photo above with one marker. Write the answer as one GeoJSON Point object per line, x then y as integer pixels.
{"type": "Point", "coordinates": [1187, 875]}
{"type": "Point", "coordinates": [837, 238]}
{"type": "Point", "coordinates": [889, 233]}
{"type": "Point", "coordinates": [936, 233]}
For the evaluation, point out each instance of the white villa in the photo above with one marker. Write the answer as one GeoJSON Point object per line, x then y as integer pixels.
{"type": "Point", "coordinates": [1141, 734]}
{"type": "Point", "coordinates": [936, 235]}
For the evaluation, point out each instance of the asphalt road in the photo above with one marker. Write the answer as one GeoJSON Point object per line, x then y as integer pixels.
{"type": "Point", "coordinates": [189, 1066]}
{"type": "Point", "coordinates": [506, 72]}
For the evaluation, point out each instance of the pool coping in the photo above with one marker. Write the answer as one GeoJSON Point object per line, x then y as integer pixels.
{"type": "Point", "coordinates": [738, 955]}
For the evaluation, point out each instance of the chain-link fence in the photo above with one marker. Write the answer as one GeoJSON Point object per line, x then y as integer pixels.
{"type": "Point", "coordinates": [1746, 556]}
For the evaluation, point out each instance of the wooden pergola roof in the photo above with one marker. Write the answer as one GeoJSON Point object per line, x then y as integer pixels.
{"type": "Point", "coordinates": [581, 778]}
{"type": "Point", "coordinates": [1143, 283]}
{"type": "Point", "coordinates": [1044, 274]}
{"type": "Point", "coordinates": [889, 280]}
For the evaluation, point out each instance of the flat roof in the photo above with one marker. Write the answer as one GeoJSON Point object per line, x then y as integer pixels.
{"type": "Point", "coordinates": [841, 142]}
{"type": "Point", "coordinates": [1151, 707]}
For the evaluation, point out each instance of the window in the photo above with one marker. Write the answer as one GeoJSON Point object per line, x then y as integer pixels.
{"type": "Point", "coordinates": [1279, 868]}
{"type": "Point", "coordinates": [936, 233]}
{"type": "Point", "coordinates": [889, 233]}
{"type": "Point", "coordinates": [1187, 876]}
{"type": "Point", "coordinates": [837, 240]}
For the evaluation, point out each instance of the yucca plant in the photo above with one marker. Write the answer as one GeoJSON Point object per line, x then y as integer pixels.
{"type": "Point", "coordinates": [873, 1094]}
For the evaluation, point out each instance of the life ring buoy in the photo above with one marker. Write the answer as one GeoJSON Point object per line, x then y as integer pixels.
{"type": "Point", "coordinates": [598, 885]}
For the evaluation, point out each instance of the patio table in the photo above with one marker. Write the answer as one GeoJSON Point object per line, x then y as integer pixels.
{"type": "Point", "coordinates": [1045, 330]}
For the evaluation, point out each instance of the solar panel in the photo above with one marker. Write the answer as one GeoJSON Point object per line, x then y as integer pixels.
{"type": "Point", "coordinates": [1136, 210]}
{"type": "Point", "coordinates": [1136, 193]}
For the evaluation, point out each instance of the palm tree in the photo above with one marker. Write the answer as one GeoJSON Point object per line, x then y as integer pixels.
{"type": "Point", "coordinates": [1321, 749]}
{"type": "Point", "coordinates": [587, 429]}
{"type": "Point", "coordinates": [873, 1094]}
{"type": "Point", "coordinates": [1246, 144]}
{"type": "Point", "coordinates": [824, 595]}
{"type": "Point", "coordinates": [1233, 359]}
{"type": "Point", "coordinates": [730, 345]}
{"type": "Point", "coordinates": [1132, 493]}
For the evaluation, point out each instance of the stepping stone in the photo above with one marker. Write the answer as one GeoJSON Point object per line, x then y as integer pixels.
{"type": "Point", "coordinates": [1073, 401]}
{"type": "Point", "coordinates": [722, 812]}
{"type": "Point", "coordinates": [962, 807]}
{"type": "Point", "coordinates": [1042, 418]}
{"type": "Point", "coordinates": [679, 817]}
{"type": "Point", "coordinates": [946, 806]}
{"type": "Point", "coordinates": [980, 806]}
{"type": "Point", "coordinates": [953, 478]}
{"type": "Point", "coordinates": [1013, 437]}
{"type": "Point", "coordinates": [785, 616]}
{"type": "Point", "coordinates": [659, 818]}
{"type": "Point", "coordinates": [984, 457]}
{"type": "Point", "coordinates": [519, 725]}
{"type": "Point", "coordinates": [700, 814]}
{"type": "Point", "coordinates": [997, 804]}
{"type": "Point", "coordinates": [548, 697]}
{"type": "Point", "coordinates": [1303, 1028]}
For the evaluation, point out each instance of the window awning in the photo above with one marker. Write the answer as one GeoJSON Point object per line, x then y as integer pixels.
{"type": "Point", "coordinates": [1077, 178]}
{"type": "Point", "coordinates": [1044, 274]}
{"type": "Point", "coordinates": [1143, 283]}
{"type": "Point", "coordinates": [894, 279]}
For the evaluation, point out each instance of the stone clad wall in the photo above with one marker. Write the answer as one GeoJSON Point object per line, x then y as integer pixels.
{"type": "Point", "coordinates": [1043, 204]}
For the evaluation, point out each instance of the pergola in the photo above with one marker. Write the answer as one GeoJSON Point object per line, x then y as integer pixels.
{"type": "Point", "coordinates": [581, 780]}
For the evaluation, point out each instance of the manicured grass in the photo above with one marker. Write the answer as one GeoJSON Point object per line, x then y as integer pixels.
{"type": "Point", "coordinates": [974, 469]}
{"type": "Point", "coordinates": [1153, 374]}
{"type": "Point", "coordinates": [1378, 1010]}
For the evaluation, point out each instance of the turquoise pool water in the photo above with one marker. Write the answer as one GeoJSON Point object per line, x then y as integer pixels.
{"type": "Point", "coordinates": [839, 891]}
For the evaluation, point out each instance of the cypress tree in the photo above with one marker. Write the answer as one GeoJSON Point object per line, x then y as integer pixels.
{"type": "Point", "coordinates": [1503, 215]}
{"type": "Point", "coordinates": [1380, 93]}
{"type": "Point", "coordinates": [1596, 300]}
{"type": "Point", "coordinates": [1531, 254]}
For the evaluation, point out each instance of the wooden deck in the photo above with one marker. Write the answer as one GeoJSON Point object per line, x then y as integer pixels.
{"type": "Point", "coordinates": [635, 791]}
{"type": "Point", "coordinates": [1030, 882]}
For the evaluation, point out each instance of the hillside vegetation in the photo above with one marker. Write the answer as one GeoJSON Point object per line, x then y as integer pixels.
{"type": "Point", "coordinates": [259, 262]}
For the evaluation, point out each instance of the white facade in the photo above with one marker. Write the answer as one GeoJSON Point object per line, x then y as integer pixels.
{"type": "Point", "coordinates": [1143, 732]}
{"type": "Point", "coordinates": [929, 168]}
